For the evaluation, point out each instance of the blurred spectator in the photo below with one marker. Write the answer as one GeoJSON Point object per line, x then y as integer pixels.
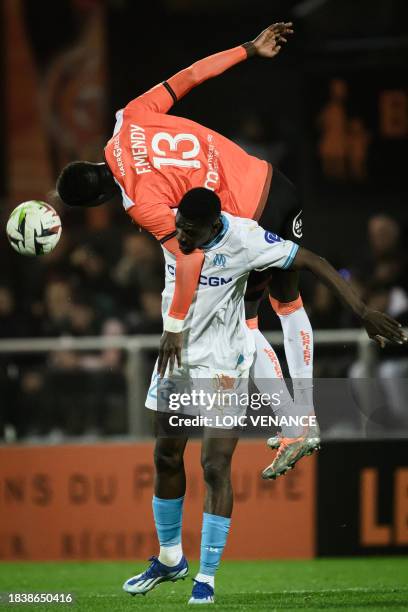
{"type": "Point", "coordinates": [383, 236]}
{"type": "Point", "coordinates": [326, 312]}
{"type": "Point", "coordinates": [383, 271]}
{"type": "Point", "coordinates": [150, 318]}
{"type": "Point", "coordinates": [90, 271]}
{"type": "Point", "coordinates": [384, 395]}
{"type": "Point", "coordinates": [10, 326]}
{"type": "Point", "coordinates": [10, 321]}
{"type": "Point", "coordinates": [83, 318]}
{"type": "Point", "coordinates": [251, 136]}
{"type": "Point", "coordinates": [139, 266]}
{"type": "Point", "coordinates": [385, 260]}
{"type": "Point", "coordinates": [112, 359]}
{"type": "Point", "coordinates": [56, 308]}
{"type": "Point", "coordinates": [325, 308]}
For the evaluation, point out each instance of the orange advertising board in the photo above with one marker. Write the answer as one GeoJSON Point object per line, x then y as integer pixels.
{"type": "Point", "coordinates": [94, 502]}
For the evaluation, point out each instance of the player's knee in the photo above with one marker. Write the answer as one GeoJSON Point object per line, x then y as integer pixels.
{"type": "Point", "coordinates": [251, 308]}
{"type": "Point", "coordinates": [284, 286]}
{"type": "Point", "coordinates": [168, 460]}
{"type": "Point", "coordinates": [284, 293]}
{"type": "Point", "coordinates": [216, 470]}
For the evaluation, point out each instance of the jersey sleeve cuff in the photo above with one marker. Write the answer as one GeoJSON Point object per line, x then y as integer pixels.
{"type": "Point", "coordinates": [250, 49]}
{"type": "Point", "coordinates": [291, 257]}
{"type": "Point", "coordinates": [173, 325]}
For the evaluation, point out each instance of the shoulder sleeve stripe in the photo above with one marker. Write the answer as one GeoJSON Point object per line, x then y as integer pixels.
{"type": "Point", "coordinates": [171, 92]}
{"type": "Point", "coordinates": [291, 257]}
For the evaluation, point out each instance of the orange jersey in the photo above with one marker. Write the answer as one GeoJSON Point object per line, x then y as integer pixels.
{"type": "Point", "coordinates": [156, 158]}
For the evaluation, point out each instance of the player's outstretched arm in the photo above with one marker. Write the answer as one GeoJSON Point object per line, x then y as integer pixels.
{"type": "Point", "coordinates": [267, 44]}
{"type": "Point", "coordinates": [379, 326]}
{"type": "Point", "coordinates": [188, 270]}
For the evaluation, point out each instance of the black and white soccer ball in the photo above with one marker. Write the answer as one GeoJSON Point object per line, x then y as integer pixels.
{"type": "Point", "coordinates": [34, 228]}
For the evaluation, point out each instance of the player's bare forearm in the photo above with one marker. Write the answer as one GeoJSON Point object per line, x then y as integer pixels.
{"type": "Point", "coordinates": [188, 270]}
{"type": "Point", "coordinates": [267, 44]}
{"type": "Point", "coordinates": [325, 272]}
{"type": "Point", "coordinates": [379, 326]}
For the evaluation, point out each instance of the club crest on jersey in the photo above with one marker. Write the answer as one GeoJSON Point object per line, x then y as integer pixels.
{"type": "Point", "coordinates": [222, 382]}
{"type": "Point", "coordinates": [297, 226]}
{"type": "Point", "coordinates": [220, 260]}
{"type": "Point", "coordinates": [270, 237]}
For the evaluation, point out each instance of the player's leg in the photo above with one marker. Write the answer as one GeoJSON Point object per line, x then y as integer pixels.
{"type": "Point", "coordinates": [302, 438]}
{"type": "Point", "coordinates": [167, 503]}
{"type": "Point", "coordinates": [282, 215]}
{"type": "Point", "coordinates": [269, 380]}
{"type": "Point", "coordinates": [170, 476]}
{"type": "Point", "coordinates": [285, 299]}
{"type": "Point", "coordinates": [287, 303]}
{"type": "Point", "coordinates": [168, 498]}
{"type": "Point", "coordinates": [298, 342]}
{"type": "Point", "coordinates": [266, 366]}
{"type": "Point", "coordinates": [216, 455]}
{"type": "Point", "coordinates": [263, 368]}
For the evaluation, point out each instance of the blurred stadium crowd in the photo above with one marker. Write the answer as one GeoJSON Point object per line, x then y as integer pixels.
{"type": "Point", "coordinates": [109, 282]}
{"type": "Point", "coordinates": [104, 282]}
{"type": "Point", "coordinates": [337, 126]}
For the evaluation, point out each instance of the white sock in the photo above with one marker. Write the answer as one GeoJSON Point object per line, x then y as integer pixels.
{"type": "Point", "coordinates": [206, 578]}
{"type": "Point", "coordinates": [298, 342]}
{"type": "Point", "coordinates": [267, 376]}
{"type": "Point", "coordinates": [171, 555]}
{"type": "Point", "coordinates": [266, 364]}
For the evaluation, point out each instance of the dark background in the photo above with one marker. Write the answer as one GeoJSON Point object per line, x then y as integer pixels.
{"type": "Point", "coordinates": [364, 42]}
{"type": "Point", "coordinates": [106, 278]}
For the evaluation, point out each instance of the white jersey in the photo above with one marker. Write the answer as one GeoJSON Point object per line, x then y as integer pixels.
{"type": "Point", "coordinates": [215, 333]}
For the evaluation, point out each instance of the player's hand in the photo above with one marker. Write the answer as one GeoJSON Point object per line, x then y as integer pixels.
{"type": "Point", "coordinates": [269, 42]}
{"type": "Point", "coordinates": [169, 351]}
{"type": "Point", "coordinates": [382, 328]}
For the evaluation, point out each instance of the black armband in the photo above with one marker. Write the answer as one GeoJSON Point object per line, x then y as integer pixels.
{"type": "Point", "coordinates": [250, 49]}
{"type": "Point", "coordinates": [171, 92]}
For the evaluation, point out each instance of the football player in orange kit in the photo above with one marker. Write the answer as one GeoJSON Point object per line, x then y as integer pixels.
{"type": "Point", "coordinates": [154, 158]}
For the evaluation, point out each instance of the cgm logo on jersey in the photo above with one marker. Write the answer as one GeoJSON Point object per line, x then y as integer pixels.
{"type": "Point", "coordinates": [220, 260]}
{"type": "Point", "coordinates": [270, 237]}
{"type": "Point", "coordinates": [205, 281]}
{"type": "Point", "coordinates": [297, 226]}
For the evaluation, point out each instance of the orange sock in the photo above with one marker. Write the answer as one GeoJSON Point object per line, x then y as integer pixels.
{"type": "Point", "coordinates": [285, 308]}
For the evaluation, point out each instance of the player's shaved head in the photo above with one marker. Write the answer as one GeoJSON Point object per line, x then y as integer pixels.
{"type": "Point", "coordinates": [200, 204]}
{"type": "Point", "coordinates": [198, 218]}
{"type": "Point", "coordinates": [83, 183]}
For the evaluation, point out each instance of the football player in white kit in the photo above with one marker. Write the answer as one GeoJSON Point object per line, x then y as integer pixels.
{"type": "Point", "coordinates": [218, 347]}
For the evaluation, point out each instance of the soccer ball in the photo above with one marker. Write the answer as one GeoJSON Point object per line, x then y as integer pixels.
{"type": "Point", "coordinates": [34, 228]}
